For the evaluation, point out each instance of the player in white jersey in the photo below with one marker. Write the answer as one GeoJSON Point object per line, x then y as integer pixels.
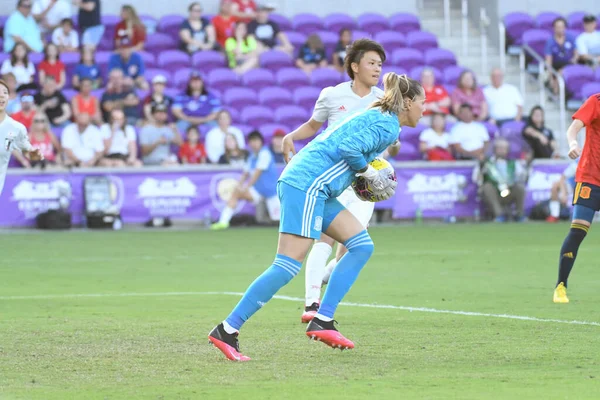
{"type": "Point", "coordinates": [363, 64]}
{"type": "Point", "coordinates": [13, 136]}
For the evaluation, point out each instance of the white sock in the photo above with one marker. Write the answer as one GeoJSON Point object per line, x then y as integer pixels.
{"type": "Point", "coordinates": [554, 208]}
{"type": "Point", "coordinates": [226, 215]}
{"type": "Point", "coordinates": [315, 268]}
{"type": "Point", "coordinates": [328, 270]}
{"type": "Point", "coordinates": [323, 318]}
{"type": "Point", "coordinates": [228, 328]}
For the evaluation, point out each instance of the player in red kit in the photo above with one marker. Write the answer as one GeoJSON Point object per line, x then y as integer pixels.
{"type": "Point", "coordinates": [586, 197]}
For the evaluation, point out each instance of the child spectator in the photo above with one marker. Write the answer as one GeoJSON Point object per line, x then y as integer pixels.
{"type": "Point", "coordinates": [130, 32]}
{"type": "Point", "coordinates": [224, 23]}
{"type": "Point", "coordinates": [540, 139]}
{"type": "Point", "coordinates": [50, 13]}
{"type": "Point", "coordinates": [241, 50]}
{"type": "Point", "coordinates": [52, 66]}
{"type": "Point", "coordinates": [215, 138]}
{"type": "Point", "coordinates": [434, 142]}
{"type": "Point", "coordinates": [467, 92]}
{"type": "Point", "coordinates": [120, 147]}
{"type": "Point", "coordinates": [65, 37]}
{"type": "Point", "coordinates": [234, 155]}
{"type": "Point", "coordinates": [159, 83]}
{"type": "Point", "coordinates": [19, 65]}
{"type": "Point", "coordinates": [339, 54]}
{"type": "Point", "coordinates": [312, 54]}
{"type": "Point", "coordinates": [196, 33]}
{"type": "Point", "coordinates": [197, 106]}
{"type": "Point", "coordinates": [87, 68]}
{"type": "Point", "coordinates": [277, 146]}
{"type": "Point", "coordinates": [192, 151]}
{"type": "Point", "coordinates": [42, 138]}
{"type": "Point", "coordinates": [85, 102]}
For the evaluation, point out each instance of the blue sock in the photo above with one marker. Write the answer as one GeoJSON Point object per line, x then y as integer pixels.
{"type": "Point", "coordinates": [263, 289]}
{"type": "Point", "coordinates": [360, 248]}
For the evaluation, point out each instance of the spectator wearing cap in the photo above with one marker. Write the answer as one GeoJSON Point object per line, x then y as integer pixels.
{"type": "Point", "coordinates": [468, 138]}
{"type": "Point", "coordinates": [119, 94]}
{"type": "Point", "coordinates": [215, 138]}
{"type": "Point", "coordinates": [437, 99]}
{"type": "Point", "coordinates": [243, 10]}
{"type": "Point", "coordinates": [192, 151]}
{"type": "Point", "coordinates": [196, 33]}
{"type": "Point", "coordinates": [588, 42]}
{"type": "Point", "coordinates": [130, 32]}
{"type": "Point", "coordinates": [27, 112]}
{"type": "Point", "coordinates": [158, 96]}
{"type": "Point", "coordinates": [19, 65]}
{"type": "Point", "coordinates": [156, 138]}
{"type": "Point", "coordinates": [49, 13]}
{"type": "Point", "coordinates": [339, 54]}
{"type": "Point", "coordinates": [120, 147]}
{"type": "Point", "coordinates": [312, 55]}
{"type": "Point", "coordinates": [277, 146]}
{"type": "Point", "coordinates": [560, 49]}
{"type": "Point", "coordinates": [14, 98]}
{"type": "Point", "coordinates": [242, 50]}
{"type": "Point", "coordinates": [131, 64]}
{"type": "Point", "coordinates": [87, 68]}
{"type": "Point", "coordinates": [224, 23]}
{"type": "Point", "coordinates": [89, 22]}
{"type": "Point", "coordinates": [85, 102]}
{"type": "Point", "coordinates": [468, 92]}
{"type": "Point", "coordinates": [504, 100]}
{"type": "Point", "coordinates": [196, 106]}
{"type": "Point", "coordinates": [65, 37]}
{"type": "Point", "coordinates": [51, 101]}
{"type": "Point", "coordinates": [22, 28]}
{"type": "Point", "coordinates": [82, 143]}
{"type": "Point", "coordinates": [267, 32]}
{"type": "Point", "coordinates": [51, 65]}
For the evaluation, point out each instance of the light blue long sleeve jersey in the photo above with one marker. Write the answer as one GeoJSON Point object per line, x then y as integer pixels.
{"type": "Point", "coordinates": [328, 164]}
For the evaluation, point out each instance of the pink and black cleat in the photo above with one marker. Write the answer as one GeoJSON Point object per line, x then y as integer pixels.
{"type": "Point", "coordinates": [327, 333]}
{"type": "Point", "coordinates": [227, 343]}
{"type": "Point", "coordinates": [309, 312]}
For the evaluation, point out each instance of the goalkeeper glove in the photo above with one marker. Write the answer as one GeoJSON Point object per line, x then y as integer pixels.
{"type": "Point", "coordinates": [375, 179]}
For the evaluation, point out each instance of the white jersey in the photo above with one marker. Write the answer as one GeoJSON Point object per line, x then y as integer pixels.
{"type": "Point", "coordinates": [13, 136]}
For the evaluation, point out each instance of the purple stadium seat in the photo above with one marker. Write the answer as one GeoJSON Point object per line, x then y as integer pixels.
{"type": "Point", "coordinates": [110, 22]}
{"type": "Point", "coordinates": [170, 24]}
{"type": "Point", "coordinates": [98, 93]}
{"type": "Point", "coordinates": [440, 58]}
{"type": "Point", "coordinates": [511, 129]}
{"type": "Point", "coordinates": [544, 20]}
{"type": "Point", "coordinates": [70, 59]}
{"type": "Point", "coordinates": [590, 89]}
{"type": "Point", "coordinates": [275, 96]}
{"type": "Point", "coordinates": [157, 42]}
{"type": "Point", "coordinates": [337, 21]}
{"type": "Point", "coordinates": [4, 57]}
{"type": "Point", "coordinates": [452, 73]}
{"type": "Point", "coordinates": [207, 60]}
{"type": "Point", "coordinates": [411, 135]}
{"type": "Point", "coordinates": [222, 79]}
{"type": "Point", "coordinates": [268, 130]}
{"type": "Point", "coordinates": [149, 22]}
{"type": "Point", "coordinates": [172, 92]}
{"type": "Point", "coordinates": [256, 115]}
{"type": "Point", "coordinates": [36, 58]}
{"type": "Point", "coordinates": [235, 114]}
{"type": "Point", "coordinates": [575, 20]}
{"type": "Point", "coordinates": [307, 23]}
{"type": "Point", "coordinates": [284, 22]}
{"type": "Point", "coordinates": [258, 78]}
{"type": "Point", "coordinates": [492, 129]}
{"type": "Point", "coordinates": [291, 115]}
{"type": "Point", "coordinates": [173, 59]}
{"type": "Point", "coordinates": [409, 152]}
{"type": "Point", "coordinates": [275, 60]}
{"type": "Point", "coordinates": [393, 68]}
{"type": "Point", "coordinates": [329, 39]}
{"type": "Point", "coordinates": [148, 58]}
{"type": "Point", "coordinates": [297, 39]}
{"type": "Point", "coordinates": [372, 23]}
{"type": "Point", "coordinates": [152, 72]}
{"type": "Point", "coordinates": [404, 23]}
{"type": "Point", "coordinates": [69, 94]}
{"type": "Point", "coordinates": [407, 58]}
{"type": "Point", "coordinates": [415, 73]}
{"type": "Point", "coordinates": [239, 97]}
{"type": "Point", "coordinates": [246, 129]}
{"type": "Point", "coordinates": [536, 39]}
{"type": "Point", "coordinates": [575, 77]}
{"type": "Point", "coordinates": [181, 78]}
{"type": "Point", "coordinates": [356, 34]}
{"type": "Point", "coordinates": [102, 58]}
{"type": "Point", "coordinates": [306, 96]}
{"type": "Point", "coordinates": [292, 78]}
{"type": "Point", "coordinates": [516, 24]}
{"type": "Point", "coordinates": [518, 147]}
{"type": "Point", "coordinates": [390, 40]}
{"type": "Point", "coordinates": [323, 77]}
{"type": "Point", "coordinates": [107, 43]}
{"type": "Point", "coordinates": [421, 40]}
{"type": "Point", "coordinates": [449, 88]}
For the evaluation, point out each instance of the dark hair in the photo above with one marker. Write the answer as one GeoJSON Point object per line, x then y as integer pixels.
{"type": "Point", "coordinates": [534, 109]}
{"type": "Point", "coordinates": [194, 4]}
{"type": "Point", "coordinates": [2, 83]}
{"type": "Point", "coordinates": [314, 41]}
{"type": "Point", "coordinates": [192, 128]}
{"type": "Point", "coordinates": [13, 55]}
{"type": "Point", "coordinates": [397, 89]}
{"type": "Point", "coordinates": [356, 51]}
{"type": "Point", "coordinates": [133, 15]}
{"type": "Point", "coordinates": [66, 21]}
{"type": "Point", "coordinates": [188, 89]}
{"type": "Point", "coordinates": [83, 49]}
{"type": "Point", "coordinates": [46, 51]}
{"type": "Point", "coordinates": [465, 105]}
{"type": "Point", "coordinates": [462, 75]}
{"type": "Point", "coordinates": [343, 30]}
{"type": "Point", "coordinates": [256, 135]}
{"type": "Point", "coordinates": [559, 19]}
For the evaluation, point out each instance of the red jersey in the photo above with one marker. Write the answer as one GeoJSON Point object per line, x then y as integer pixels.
{"type": "Point", "coordinates": [193, 154]}
{"type": "Point", "coordinates": [245, 6]}
{"type": "Point", "coordinates": [25, 119]}
{"type": "Point", "coordinates": [45, 146]}
{"type": "Point", "coordinates": [52, 69]}
{"type": "Point", "coordinates": [588, 169]}
{"type": "Point", "coordinates": [223, 28]}
{"type": "Point", "coordinates": [123, 38]}
{"type": "Point", "coordinates": [434, 95]}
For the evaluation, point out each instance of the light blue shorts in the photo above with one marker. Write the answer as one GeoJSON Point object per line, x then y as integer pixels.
{"type": "Point", "coordinates": [303, 214]}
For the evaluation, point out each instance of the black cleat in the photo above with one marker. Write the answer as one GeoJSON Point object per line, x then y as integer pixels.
{"type": "Point", "coordinates": [327, 333]}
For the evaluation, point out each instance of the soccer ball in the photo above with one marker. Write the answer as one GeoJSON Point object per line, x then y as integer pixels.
{"type": "Point", "coordinates": [362, 188]}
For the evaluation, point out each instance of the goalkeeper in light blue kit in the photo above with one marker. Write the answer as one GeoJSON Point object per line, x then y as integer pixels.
{"type": "Point", "coordinates": [307, 189]}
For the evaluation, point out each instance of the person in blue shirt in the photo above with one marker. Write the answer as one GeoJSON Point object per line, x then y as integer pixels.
{"type": "Point", "coordinates": [560, 49]}
{"type": "Point", "coordinates": [131, 64]}
{"type": "Point", "coordinates": [259, 181]}
{"type": "Point", "coordinates": [312, 54]}
{"type": "Point", "coordinates": [21, 27]}
{"type": "Point", "coordinates": [308, 188]}
{"type": "Point", "coordinates": [87, 68]}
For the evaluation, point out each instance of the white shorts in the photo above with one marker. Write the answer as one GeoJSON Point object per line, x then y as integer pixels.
{"type": "Point", "coordinates": [362, 210]}
{"type": "Point", "coordinates": [273, 205]}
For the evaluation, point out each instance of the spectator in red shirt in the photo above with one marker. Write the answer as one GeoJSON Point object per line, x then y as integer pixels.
{"type": "Point", "coordinates": [224, 23]}
{"type": "Point", "coordinates": [42, 138]}
{"type": "Point", "coordinates": [28, 110]}
{"type": "Point", "coordinates": [244, 10]}
{"type": "Point", "coordinates": [437, 98]}
{"type": "Point", "coordinates": [52, 66]}
{"type": "Point", "coordinates": [130, 33]}
{"type": "Point", "coordinates": [192, 151]}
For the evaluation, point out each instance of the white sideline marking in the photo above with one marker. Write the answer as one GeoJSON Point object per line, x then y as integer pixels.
{"type": "Point", "coordinates": [298, 299]}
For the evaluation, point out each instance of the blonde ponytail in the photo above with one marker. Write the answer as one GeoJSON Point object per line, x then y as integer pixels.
{"type": "Point", "coordinates": [397, 88]}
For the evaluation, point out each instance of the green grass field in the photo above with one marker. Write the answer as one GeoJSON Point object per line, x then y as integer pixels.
{"type": "Point", "coordinates": [145, 337]}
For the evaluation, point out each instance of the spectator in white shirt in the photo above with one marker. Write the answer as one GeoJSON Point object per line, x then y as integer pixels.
{"type": "Point", "coordinates": [65, 37]}
{"type": "Point", "coordinates": [468, 138]}
{"type": "Point", "coordinates": [215, 138]}
{"type": "Point", "coordinates": [120, 147]}
{"type": "Point", "coordinates": [19, 65]}
{"type": "Point", "coordinates": [50, 13]}
{"type": "Point", "coordinates": [82, 143]}
{"type": "Point", "coordinates": [504, 100]}
{"type": "Point", "coordinates": [434, 142]}
{"type": "Point", "coordinates": [588, 42]}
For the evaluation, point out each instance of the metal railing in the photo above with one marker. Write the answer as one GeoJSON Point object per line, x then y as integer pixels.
{"type": "Point", "coordinates": [465, 27]}
{"type": "Point", "coordinates": [447, 30]}
{"type": "Point", "coordinates": [502, 45]}
{"type": "Point", "coordinates": [484, 22]}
